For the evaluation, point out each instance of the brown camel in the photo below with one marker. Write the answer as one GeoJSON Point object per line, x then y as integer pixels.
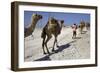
{"type": "Point", "coordinates": [81, 26]}
{"type": "Point", "coordinates": [35, 18]}
{"type": "Point", "coordinates": [52, 27]}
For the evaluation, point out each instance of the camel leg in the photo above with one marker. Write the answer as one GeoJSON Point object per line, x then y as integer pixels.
{"type": "Point", "coordinates": [81, 30]}
{"type": "Point", "coordinates": [43, 45]}
{"type": "Point", "coordinates": [55, 42]}
{"type": "Point", "coordinates": [48, 38]}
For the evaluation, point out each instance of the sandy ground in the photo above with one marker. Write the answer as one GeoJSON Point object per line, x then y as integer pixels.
{"type": "Point", "coordinates": [69, 48]}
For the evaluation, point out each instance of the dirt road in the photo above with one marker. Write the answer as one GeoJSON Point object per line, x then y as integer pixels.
{"type": "Point", "coordinates": [69, 48]}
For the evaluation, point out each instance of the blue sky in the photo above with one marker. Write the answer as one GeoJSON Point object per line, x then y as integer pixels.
{"type": "Point", "coordinates": [69, 18]}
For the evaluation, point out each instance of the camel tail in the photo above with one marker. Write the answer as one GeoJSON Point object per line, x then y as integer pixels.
{"type": "Point", "coordinates": [43, 33]}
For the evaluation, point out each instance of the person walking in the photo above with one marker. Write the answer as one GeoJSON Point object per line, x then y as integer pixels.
{"type": "Point", "coordinates": [74, 28]}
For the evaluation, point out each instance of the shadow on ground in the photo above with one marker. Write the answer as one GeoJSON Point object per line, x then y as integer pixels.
{"type": "Point", "coordinates": [60, 49]}
{"type": "Point", "coordinates": [45, 58]}
{"type": "Point", "coordinates": [83, 32]}
{"type": "Point", "coordinates": [77, 38]}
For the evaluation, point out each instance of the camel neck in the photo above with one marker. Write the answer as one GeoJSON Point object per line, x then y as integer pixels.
{"type": "Point", "coordinates": [34, 22]}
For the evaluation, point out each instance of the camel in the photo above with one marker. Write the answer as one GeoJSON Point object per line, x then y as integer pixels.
{"type": "Point", "coordinates": [87, 25]}
{"type": "Point", "coordinates": [81, 26]}
{"type": "Point", "coordinates": [34, 19]}
{"type": "Point", "coordinates": [53, 27]}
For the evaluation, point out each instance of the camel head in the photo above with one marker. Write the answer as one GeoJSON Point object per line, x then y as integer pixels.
{"type": "Point", "coordinates": [62, 21]}
{"type": "Point", "coordinates": [37, 16]}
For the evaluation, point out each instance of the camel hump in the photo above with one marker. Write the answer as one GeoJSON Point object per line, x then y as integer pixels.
{"type": "Point", "coordinates": [33, 15]}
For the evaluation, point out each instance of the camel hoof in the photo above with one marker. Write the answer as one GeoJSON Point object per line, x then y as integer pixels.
{"type": "Point", "coordinates": [45, 53]}
{"type": "Point", "coordinates": [53, 50]}
{"type": "Point", "coordinates": [57, 46]}
{"type": "Point", "coordinates": [48, 52]}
